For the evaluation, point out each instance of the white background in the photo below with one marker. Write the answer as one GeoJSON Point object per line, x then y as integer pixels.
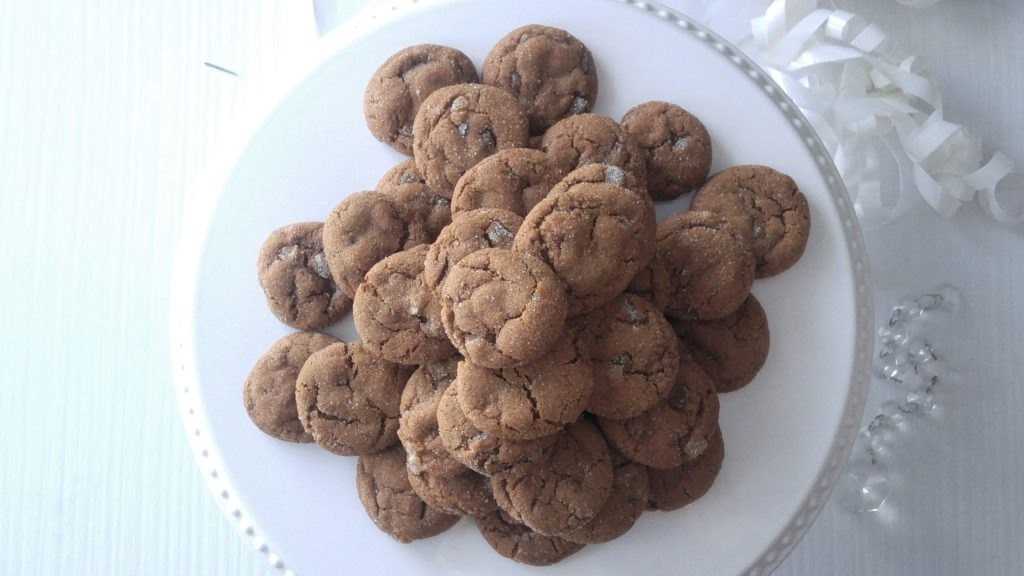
{"type": "Point", "coordinates": [107, 114]}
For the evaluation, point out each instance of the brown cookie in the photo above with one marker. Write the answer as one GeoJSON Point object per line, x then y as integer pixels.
{"type": "Point", "coordinates": [674, 488]}
{"type": "Point", "coordinates": [514, 179]}
{"type": "Point", "coordinates": [547, 69]}
{"type": "Point", "coordinates": [600, 174]}
{"type": "Point", "coordinates": [502, 308]}
{"type": "Point", "coordinates": [732, 349]}
{"type": "Point", "coordinates": [593, 139]}
{"type": "Point", "coordinates": [347, 399]}
{"type": "Point", "coordinates": [566, 492]}
{"type": "Point", "coordinates": [269, 391]}
{"type": "Point", "coordinates": [465, 494]}
{"type": "Point", "coordinates": [401, 84]}
{"type": "Point", "coordinates": [531, 401]}
{"type": "Point", "coordinates": [296, 278]}
{"type": "Point", "coordinates": [408, 190]}
{"type": "Point", "coordinates": [766, 207]}
{"type": "Point", "coordinates": [710, 265]}
{"type": "Point", "coordinates": [652, 283]}
{"type": "Point", "coordinates": [486, 454]}
{"type": "Point", "coordinates": [418, 425]}
{"type": "Point", "coordinates": [634, 356]}
{"type": "Point", "coordinates": [389, 500]}
{"type": "Point", "coordinates": [458, 126]}
{"type": "Point", "coordinates": [470, 232]}
{"type": "Point", "coordinates": [362, 230]}
{"type": "Point", "coordinates": [630, 493]}
{"type": "Point", "coordinates": [676, 147]}
{"type": "Point", "coordinates": [594, 236]}
{"type": "Point", "coordinates": [674, 431]}
{"type": "Point", "coordinates": [396, 315]}
{"type": "Point", "coordinates": [517, 542]}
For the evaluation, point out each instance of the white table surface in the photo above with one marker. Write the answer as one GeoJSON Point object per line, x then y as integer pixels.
{"type": "Point", "coordinates": [107, 113]}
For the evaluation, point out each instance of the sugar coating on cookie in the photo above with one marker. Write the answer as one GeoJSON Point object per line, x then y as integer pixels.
{"type": "Point", "coordinates": [465, 494]}
{"type": "Point", "coordinates": [468, 233]}
{"type": "Point", "coordinates": [600, 174]}
{"type": "Point", "coordinates": [652, 283]}
{"type": "Point", "coordinates": [347, 399]}
{"type": "Point", "coordinates": [766, 207]}
{"type": "Point", "coordinates": [418, 425]}
{"type": "Point", "coordinates": [296, 278]}
{"type": "Point", "coordinates": [628, 500]}
{"type": "Point", "coordinates": [458, 126]}
{"type": "Point", "coordinates": [593, 139]}
{"type": "Point", "coordinates": [548, 70]}
{"type": "Point", "coordinates": [413, 199]}
{"type": "Point", "coordinates": [676, 147]}
{"type": "Point", "coordinates": [384, 490]}
{"type": "Point", "coordinates": [269, 391]}
{"type": "Point", "coordinates": [514, 179]}
{"type": "Point", "coordinates": [673, 488]}
{"type": "Point", "coordinates": [502, 308]}
{"type": "Point", "coordinates": [710, 265]}
{"type": "Point", "coordinates": [401, 84]}
{"type": "Point", "coordinates": [518, 542]}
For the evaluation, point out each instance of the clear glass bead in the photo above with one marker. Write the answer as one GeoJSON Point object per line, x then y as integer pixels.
{"type": "Point", "coordinates": [891, 410]}
{"type": "Point", "coordinates": [933, 371]}
{"type": "Point", "coordinates": [923, 400]}
{"type": "Point", "coordinates": [896, 335]}
{"type": "Point", "coordinates": [864, 485]}
{"type": "Point", "coordinates": [919, 350]}
{"type": "Point", "coordinates": [904, 311]}
{"type": "Point", "coordinates": [930, 302]}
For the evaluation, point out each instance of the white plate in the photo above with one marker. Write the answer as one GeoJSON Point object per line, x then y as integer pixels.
{"type": "Point", "coordinates": [786, 434]}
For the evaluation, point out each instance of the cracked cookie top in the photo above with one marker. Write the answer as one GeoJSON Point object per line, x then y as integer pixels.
{"type": "Point", "coordinates": [593, 139]}
{"type": "Point", "coordinates": [413, 199]}
{"type": "Point", "coordinates": [514, 179]}
{"type": "Point", "coordinates": [418, 425]}
{"type": "Point", "coordinates": [628, 500]}
{"type": "Point", "coordinates": [676, 147]}
{"type": "Point", "coordinates": [517, 542]}
{"type": "Point", "coordinates": [674, 488]}
{"type": "Point", "coordinates": [469, 232]}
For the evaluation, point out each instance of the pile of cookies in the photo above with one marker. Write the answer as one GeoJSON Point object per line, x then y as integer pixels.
{"type": "Point", "coordinates": [535, 350]}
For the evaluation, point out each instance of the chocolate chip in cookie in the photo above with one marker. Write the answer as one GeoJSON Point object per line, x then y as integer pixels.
{"type": "Point", "coordinates": [468, 233]}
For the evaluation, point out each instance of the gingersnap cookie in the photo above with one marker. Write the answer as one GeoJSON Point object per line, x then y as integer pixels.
{"type": "Point", "coordinates": [464, 494]}
{"type": "Point", "coordinates": [732, 349]}
{"type": "Point", "coordinates": [468, 233]}
{"type": "Point", "coordinates": [530, 401]}
{"type": "Point", "coordinates": [413, 199]}
{"type": "Point", "coordinates": [566, 492]}
{"type": "Point", "coordinates": [418, 425]}
{"type": "Point", "coordinates": [396, 315]}
{"type": "Point", "coordinates": [598, 174]}
{"type": "Point", "coordinates": [651, 283]}
{"type": "Point", "coordinates": [547, 69]}
{"type": "Point", "coordinates": [362, 230]}
{"type": "Point", "coordinates": [675, 144]}
{"type": "Point", "coordinates": [269, 391]}
{"type": "Point", "coordinates": [674, 488]}
{"type": "Point", "coordinates": [628, 500]}
{"type": "Point", "coordinates": [502, 308]}
{"type": "Point", "coordinates": [296, 278]}
{"type": "Point", "coordinates": [514, 179]}
{"type": "Point", "coordinates": [710, 265]}
{"type": "Point", "coordinates": [594, 236]}
{"type": "Point", "coordinates": [458, 126]}
{"type": "Point", "coordinates": [384, 490]}
{"type": "Point", "coordinates": [480, 451]}
{"type": "Point", "coordinates": [634, 356]}
{"type": "Point", "coordinates": [675, 430]}
{"type": "Point", "coordinates": [401, 84]}
{"type": "Point", "coordinates": [347, 399]}
{"type": "Point", "coordinates": [766, 207]}
{"type": "Point", "coordinates": [515, 541]}
{"type": "Point", "coordinates": [593, 139]}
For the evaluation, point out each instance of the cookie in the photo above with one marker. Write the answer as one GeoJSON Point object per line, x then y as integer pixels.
{"type": "Point", "coordinates": [413, 199]}
{"type": "Point", "coordinates": [389, 500]}
{"type": "Point", "coordinates": [517, 542]}
{"type": "Point", "coordinates": [362, 230]}
{"type": "Point", "coordinates": [766, 207]}
{"type": "Point", "coordinates": [732, 349]}
{"type": "Point", "coordinates": [458, 126]}
{"type": "Point", "coordinates": [598, 174]}
{"type": "Point", "coordinates": [486, 454]}
{"type": "Point", "coordinates": [531, 401]}
{"type": "Point", "coordinates": [269, 391]}
{"type": "Point", "coordinates": [634, 356]}
{"type": "Point", "coordinates": [418, 425]}
{"type": "Point", "coordinates": [296, 278]}
{"type": "Point", "coordinates": [651, 283]}
{"type": "Point", "coordinates": [594, 236]}
{"type": "Point", "coordinates": [675, 430]}
{"type": "Point", "coordinates": [396, 315]}
{"type": "Point", "coordinates": [514, 179]}
{"type": "Point", "coordinates": [593, 139]}
{"type": "Point", "coordinates": [502, 308]}
{"type": "Point", "coordinates": [568, 490]}
{"type": "Point", "coordinates": [628, 500]}
{"type": "Point", "coordinates": [463, 494]}
{"type": "Point", "coordinates": [347, 399]}
{"type": "Point", "coordinates": [470, 232]}
{"type": "Point", "coordinates": [676, 147]}
{"type": "Point", "coordinates": [674, 488]}
{"type": "Point", "coordinates": [401, 84]}
{"type": "Point", "coordinates": [710, 265]}
{"type": "Point", "coordinates": [547, 69]}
